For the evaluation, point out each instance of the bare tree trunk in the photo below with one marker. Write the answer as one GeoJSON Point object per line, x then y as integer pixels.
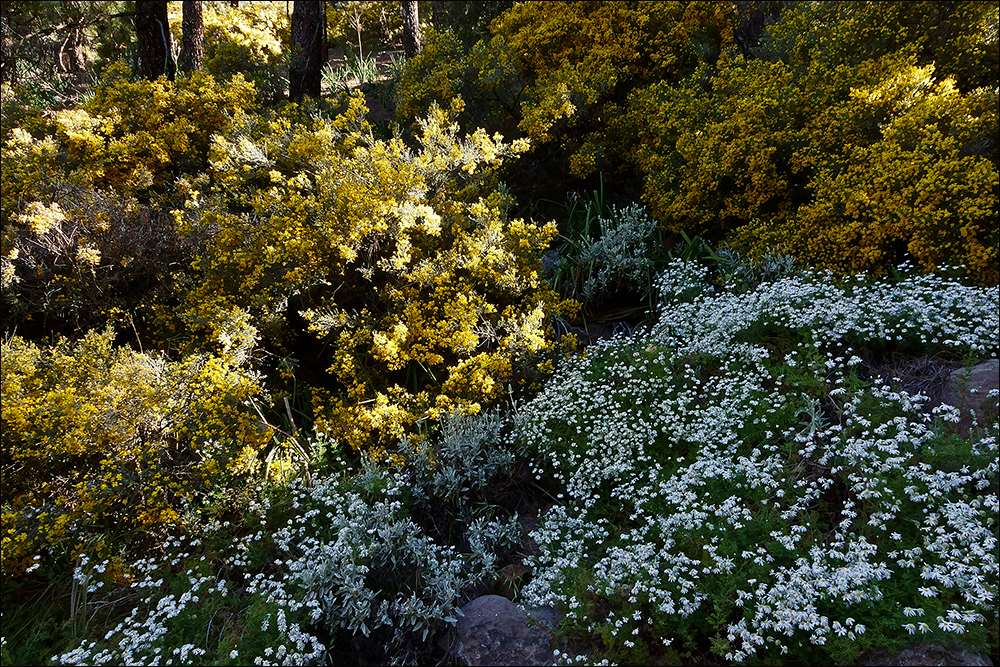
{"type": "Point", "coordinates": [308, 33]}
{"type": "Point", "coordinates": [6, 46]}
{"type": "Point", "coordinates": [439, 14]}
{"type": "Point", "coordinates": [193, 28]}
{"type": "Point", "coordinates": [153, 35]}
{"type": "Point", "coordinates": [411, 28]}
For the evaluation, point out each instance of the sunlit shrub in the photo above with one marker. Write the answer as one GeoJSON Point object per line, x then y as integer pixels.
{"type": "Point", "coordinates": [483, 76]}
{"type": "Point", "coordinates": [133, 135]}
{"type": "Point", "coordinates": [104, 446]}
{"type": "Point", "coordinates": [849, 168]}
{"type": "Point", "coordinates": [581, 60]}
{"type": "Point", "coordinates": [402, 262]}
{"type": "Point", "coordinates": [249, 39]}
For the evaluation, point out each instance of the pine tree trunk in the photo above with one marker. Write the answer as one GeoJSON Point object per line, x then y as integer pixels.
{"type": "Point", "coordinates": [308, 33]}
{"type": "Point", "coordinates": [439, 14]}
{"type": "Point", "coordinates": [7, 64]}
{"type": "Point", "coordinates": [193, 27]}
{"type": "Point", "coordinates": [153, 36]}
{"type": "Point", "coordinates": [411, 28]}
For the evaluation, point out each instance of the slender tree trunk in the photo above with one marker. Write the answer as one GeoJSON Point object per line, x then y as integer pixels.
{"type": "Point", "coordinates": [308, 33]}
{"type": "Point", "coordinates": [411, 28]}
{"type": "Point", "coordinates": [439, 14]}
{"type": "Point", "coordinates": [6, 46]}
{"type": "Point", "coordinates": [194, 36]}
{"type": "Point", "coordinates": [153, 35]}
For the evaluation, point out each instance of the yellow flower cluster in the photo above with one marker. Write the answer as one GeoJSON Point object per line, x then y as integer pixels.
{"type": "Point", "coordinates": [107, 442]}
{"type": "Point", "coordinates": [402, 262]}
{"type": "Point", "coordinates": [848, 168]}
{"type": "Point", "coordinates": [581, 59]}
{"type": "Point", "coordinates": [136, 134]}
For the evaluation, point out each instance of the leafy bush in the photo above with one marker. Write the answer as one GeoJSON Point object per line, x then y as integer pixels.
{"type": "Point", "coordinates": [355, 557]}
{"type": "Point", "coordinates": [103, 447]}
{"type": "Point", "coordinates": [854, 163]}
{"type": "Point", "coordinates": [580, 61]}
{"type": "Point", "coordinates": [137, 134]}
{"type": "Point", "coordinates": [733, 479]}
{"type": "Point", "coordinates": [402, 262]}
{"type": "Point", "coordinates": [620, 252]}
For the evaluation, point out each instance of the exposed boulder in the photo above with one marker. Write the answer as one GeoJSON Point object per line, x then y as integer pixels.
{"type": "Point", "coordinates": [494, 631]}
{"type": "Point", "coordinates": [969, 390]}
{"type": "Point", "coordinates": [928, 654]}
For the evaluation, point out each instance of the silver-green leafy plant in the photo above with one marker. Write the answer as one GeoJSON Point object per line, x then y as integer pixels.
{"type": "Point", "coordinates": [352, 556]}
{"type": "Point", "coordinates": [618, 252]}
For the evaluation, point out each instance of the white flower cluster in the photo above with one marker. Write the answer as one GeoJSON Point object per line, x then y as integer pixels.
{"type": "Point", "coordinates": [350, 557]}
{"type": "Point", "coordinates": [935, 310]}
{"type": "Point", "coordinates": [695, 456]}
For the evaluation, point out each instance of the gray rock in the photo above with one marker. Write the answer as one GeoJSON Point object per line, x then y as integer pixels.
{"type": "Point", "coordinates": [494, 631]}
{"type": "Point", "coordinates": [969, 390]}
{"type": "Point", "coordinates": [928, 654]}
{"type": "Point", "coordinates": [547, 617]}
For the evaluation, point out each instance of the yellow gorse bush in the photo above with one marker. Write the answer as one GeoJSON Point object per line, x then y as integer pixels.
{"type": "Point", "coordinates": [132, 135]}
{"type": "Point", "coordinates": [403, 262]}
{"type": "Point", "coordinates": [852, 168]}
{"type": "Point", "coordinates": [580, 60]}
{"type": "Point", "coordinates": [82, 234]}
{"type": "Point", "coordinates": [105, 442]}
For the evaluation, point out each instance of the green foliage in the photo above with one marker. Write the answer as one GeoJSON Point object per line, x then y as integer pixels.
{"type": "Point", "coordinates": [366, 26]}
{"type": "Point", "coordinates": [469, 21]}
{"type": "Point", "coordinates": [357, 70]}
{"type": "Point", "coordinates": [52, 49]}
{"type": "Point", "coordinates": [616, 255]}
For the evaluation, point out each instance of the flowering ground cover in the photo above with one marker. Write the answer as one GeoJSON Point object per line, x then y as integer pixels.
{"type": "Point", "coordinates": [734, 478]}
{"type": "Point", "coordinates": [732, 484]}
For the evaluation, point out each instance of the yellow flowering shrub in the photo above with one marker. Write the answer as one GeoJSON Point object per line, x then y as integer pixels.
{"type": "Point", "coordinates": [84, 234]}
{"type": "Point", "coordinates": [105, 443]}
{"type": "Point", "coordinates": [960, 38]}
{"type": "Point", "coordinates": [559, 74]}
{"type": "Point", "coordinates": [403, 262]}
{"type": "Point", "coordinates": [249, 39]}
{"type": "Point", "coordinates": [134, 135]}
{"type": "Point", "coordinates": [483, 76]}
{"type": "Point", "coordinates": [920, 191]}
{"type": "Point", "coordinates": [581, 60]}
{"type": "Point", "coordinates": [851, 159]}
